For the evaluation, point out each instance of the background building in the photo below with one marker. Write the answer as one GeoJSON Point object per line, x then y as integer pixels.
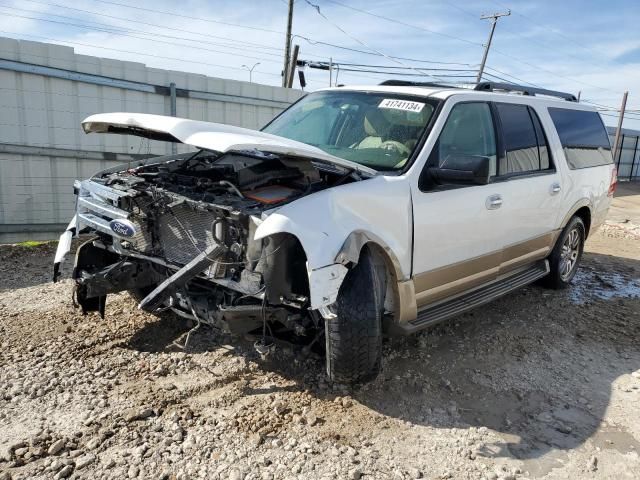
{"type": "Point", "coordinates": [47, 90]}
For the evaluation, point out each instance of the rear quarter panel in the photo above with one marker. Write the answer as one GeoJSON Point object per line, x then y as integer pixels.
{"type": "Point", "coordinates": [580, 187]}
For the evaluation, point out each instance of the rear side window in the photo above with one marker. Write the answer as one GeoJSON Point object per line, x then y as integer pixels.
{"type": "Point", "coordinates": [583, 137]}
{"type": "Point", "coordinates": [524, 141]}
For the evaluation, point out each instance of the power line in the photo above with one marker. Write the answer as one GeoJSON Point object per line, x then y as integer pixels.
{"type": "Point", "coordinates": [317, 9]}
{"type": "Point", "coordinates": [611, 108]}
{"type": "Point", "coordinates": [128, 32]}
{"type": "Point", "coordinates": [626, 116]}
{"type": "Point", "coordinates": [393, 67]}
{"type": "Point", "coordinates": [518, 79]}
{"type": "Point", "coordinates": [396, 68]}
{"type": "Point", "coordinates": [510, 30]}
{"type": "Point", "coordinates": [552, 30]}
{"type": "Point", "coordinates": [155, 25]}
{"type": "Point", "coordinates": [553, 73]}
{"type": "Point", "coordinates": [468, 42]}
{"type": "Point", "coordinates": [403, 74]}
{"type": "Point", "coordinates": [200, 19]}
{"type": "Point", "coordinates": [399, 22]}
{"type": "Point", "coordinates": [598, 104]}
{"type": "Point", "coordinates": [497, 77]}
{"type": "Point", "coordinates": [632, 109]}
{"type": "Point", "coordinates": [311, 41]}
{"type": "Point", "coordinates": [122, 32]}
{"type": "Point", "coordinates": [197, 62]}
{"type": "Point", "coordinates": [365, 52]}
{"type": "Point", "coordinates": [251, 44]}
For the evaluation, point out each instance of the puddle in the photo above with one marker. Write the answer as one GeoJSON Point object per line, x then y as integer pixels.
{"type": "Point", "coordinates": [588, 285]}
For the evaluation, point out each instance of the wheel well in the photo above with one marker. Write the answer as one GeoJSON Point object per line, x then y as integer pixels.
{"type": "Point", "coordinates": [585, 215]}
{"type": "Point", "coordinates": [284, 267]}
{"type": "Point", "coordinates": [382, 258]}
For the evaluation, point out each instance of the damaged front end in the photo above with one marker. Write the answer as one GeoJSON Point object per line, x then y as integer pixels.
{"type": "Point", "coordinates": [178, 232]}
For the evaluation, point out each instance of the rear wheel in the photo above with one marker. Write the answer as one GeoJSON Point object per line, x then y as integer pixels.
{"type": "Point", "coordinates": [566, 255]}
{"type": "Point", "coordinates": [354, 335]}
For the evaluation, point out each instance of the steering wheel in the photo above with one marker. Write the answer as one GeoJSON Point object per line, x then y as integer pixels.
{"type": "Point", "coordinates": [401, 148]}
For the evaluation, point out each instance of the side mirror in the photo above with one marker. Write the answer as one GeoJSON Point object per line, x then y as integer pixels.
{"type": "Point", "coordinates": [462, 170]}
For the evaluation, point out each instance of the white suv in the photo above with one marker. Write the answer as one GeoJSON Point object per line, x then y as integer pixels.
{"type": "Point", "coordinates": [354, 213]}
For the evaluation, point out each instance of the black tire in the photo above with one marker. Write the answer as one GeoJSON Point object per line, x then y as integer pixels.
{"type": "Point", "coordinates": [572, 237]}
{"type": "Point", "coordinates": [354, 336]}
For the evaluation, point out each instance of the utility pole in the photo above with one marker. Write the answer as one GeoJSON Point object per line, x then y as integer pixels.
{"type": "Point", "coordinates": [616, 142]}
{"type": "Point", "coordinates": [494, 20]}
{"type": "Point", "coordinates": [330, 70]}
{"type": "Point", "coordinates": [174, 112]}
{"type": "Point", "coordinates": [287, 46]}
{"type": "Point", "coordinates": [292, 66]}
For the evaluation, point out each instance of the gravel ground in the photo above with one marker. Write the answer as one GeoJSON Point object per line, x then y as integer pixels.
{"type": "Point", "coordinates": [539, 384]}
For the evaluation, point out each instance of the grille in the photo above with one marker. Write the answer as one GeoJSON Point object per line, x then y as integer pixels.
{"type": "Point", "coordinates": [180, 229]}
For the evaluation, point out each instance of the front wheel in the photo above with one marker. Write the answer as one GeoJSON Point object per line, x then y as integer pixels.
{"type": "Point", "coordinates": [354, 334]}
{"type": "Point", "coordinates": [566, 255]}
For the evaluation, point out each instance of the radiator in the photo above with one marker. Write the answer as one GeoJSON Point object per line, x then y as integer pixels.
{"type": "Point", "coordinates": [184, 233]}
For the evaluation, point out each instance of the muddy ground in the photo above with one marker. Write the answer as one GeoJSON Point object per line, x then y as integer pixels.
{"type": "Point", "coordinates": [539, 384]}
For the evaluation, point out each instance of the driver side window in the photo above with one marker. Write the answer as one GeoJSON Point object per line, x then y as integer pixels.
{"type": "Point", "coordinates": [468, 131]}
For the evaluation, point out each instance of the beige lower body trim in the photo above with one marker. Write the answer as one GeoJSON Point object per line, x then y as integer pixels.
{"type": "Point", "coordinates": [407, 309]}
{"type": "Point", "coordinates": [451, 280]}
{"type": "Point", "coordinates": [529, 251]}
{"type": "Point", "coordinates": [454, 287]}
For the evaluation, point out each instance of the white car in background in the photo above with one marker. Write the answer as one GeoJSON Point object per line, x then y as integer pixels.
{"type": "Point", "coordinates": [357, 212]}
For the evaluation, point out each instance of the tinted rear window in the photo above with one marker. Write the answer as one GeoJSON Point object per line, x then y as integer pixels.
{"type": "Point", "coordinates": [524, 141]}
{"type": "Point", "coordinates": [583, 137]}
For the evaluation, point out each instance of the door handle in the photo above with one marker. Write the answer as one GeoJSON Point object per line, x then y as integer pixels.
{"type": "Point", "coordinates": [555, 188]}
{"type": "Point", "coordinates": [493, 202]}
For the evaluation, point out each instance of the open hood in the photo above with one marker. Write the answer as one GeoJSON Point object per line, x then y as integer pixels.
{"type": "Point", "coordinates": [207, 135]}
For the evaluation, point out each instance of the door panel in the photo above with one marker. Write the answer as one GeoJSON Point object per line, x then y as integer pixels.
{"type": "Point", "coordinates": [467, 236]}
{"type": "Point", "coordinates": [530, 202]}
{"type": "Point", "coordinates": [531, 207]}
{"type": "Point", "coordinates": [457, 239]}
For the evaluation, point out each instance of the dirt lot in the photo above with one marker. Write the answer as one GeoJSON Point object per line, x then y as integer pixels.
{"type": "Point", "coordinates": [540, 384]}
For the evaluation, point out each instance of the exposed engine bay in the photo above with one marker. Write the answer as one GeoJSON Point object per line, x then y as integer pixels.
{"type": "Point", "coordinates": [178, 232]}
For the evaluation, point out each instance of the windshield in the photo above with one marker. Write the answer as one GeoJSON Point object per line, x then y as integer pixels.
{"type": "Point", "coordinates": [378, 130]}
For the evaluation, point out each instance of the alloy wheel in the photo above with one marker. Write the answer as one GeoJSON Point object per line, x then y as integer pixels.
{"type": "Point", "coordinates": [570, 253]}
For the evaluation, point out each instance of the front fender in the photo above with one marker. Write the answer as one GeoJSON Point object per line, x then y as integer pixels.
{"type": "Point", "coordinates": [378, 208]}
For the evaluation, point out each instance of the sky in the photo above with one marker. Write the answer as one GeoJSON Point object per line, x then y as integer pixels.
{"type": "Point", "coordinates": [588, 46]}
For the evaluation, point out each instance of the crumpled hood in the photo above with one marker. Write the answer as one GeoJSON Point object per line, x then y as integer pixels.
{"type": "Point", "coordinates": [208, 135]}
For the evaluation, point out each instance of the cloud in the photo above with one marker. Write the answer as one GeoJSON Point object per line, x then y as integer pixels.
{"type": "Point", "coordinates": [630, 56]}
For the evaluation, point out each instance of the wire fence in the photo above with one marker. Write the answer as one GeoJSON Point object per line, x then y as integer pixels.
{"type": "Point", "coordinates": [627, 158]}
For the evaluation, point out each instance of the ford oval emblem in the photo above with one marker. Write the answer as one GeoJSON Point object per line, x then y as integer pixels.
{"type": "Point", "coordinates": [123, 228]}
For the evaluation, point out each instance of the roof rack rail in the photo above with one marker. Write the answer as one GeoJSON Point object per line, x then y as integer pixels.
{"type": "Point", "coordinates": [409, 83]}
{"type": "Point", "coordinates": [509, 87]}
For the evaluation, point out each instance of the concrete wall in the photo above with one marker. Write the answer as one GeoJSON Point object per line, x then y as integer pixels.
{"type": "Point", "coordinates": [47, 90]}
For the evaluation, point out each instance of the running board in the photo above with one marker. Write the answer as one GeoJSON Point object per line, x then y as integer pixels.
{"type": "Point", "coordinates": [433, 314]}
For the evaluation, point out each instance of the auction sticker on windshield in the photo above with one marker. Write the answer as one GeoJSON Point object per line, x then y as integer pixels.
{"type": "Point", "coordinates": [401, 105]}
